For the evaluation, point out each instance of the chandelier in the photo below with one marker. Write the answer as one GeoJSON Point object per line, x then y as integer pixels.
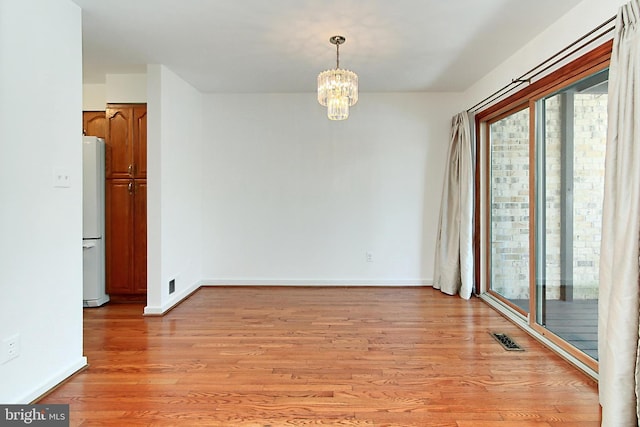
{"type": "Point", "coordinates": [337, 89]}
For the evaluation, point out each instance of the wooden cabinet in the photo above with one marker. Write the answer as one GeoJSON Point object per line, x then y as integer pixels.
{"type": "Point", "coordinates": [126, 230]}
{"type": "Point", "coordinates": [94, 123]}
{"type": "Point", "coordinates": [126, 136]}
{"type": "Point", "coordinates": [126, 199]}
{"type": "Point", "coordinates": [119, 232]}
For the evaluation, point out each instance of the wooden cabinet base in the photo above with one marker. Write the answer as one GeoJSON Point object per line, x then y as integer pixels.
{"type": "Point", "coordinates": [126, 230]}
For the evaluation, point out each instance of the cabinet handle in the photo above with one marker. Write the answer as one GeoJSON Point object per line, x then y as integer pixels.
{"type": "Point", "coordinates": [130, 169]}
{"type": "Point", "coordinates": [130, 187]}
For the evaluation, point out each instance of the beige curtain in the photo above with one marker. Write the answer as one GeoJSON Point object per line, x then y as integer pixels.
{"type": "Point", "coordinates": [619, 272]}
{"type": "Point", "coordinates": [453, 270]}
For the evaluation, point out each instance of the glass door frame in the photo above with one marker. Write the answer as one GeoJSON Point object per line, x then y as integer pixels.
{"type": "Point", "coordinates": [593, 62]}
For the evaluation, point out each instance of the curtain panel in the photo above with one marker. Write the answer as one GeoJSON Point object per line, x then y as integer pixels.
{"type": "Point", "coordinates": [619, 257]}
{"type": "Point", "coordinates": [453, 269]}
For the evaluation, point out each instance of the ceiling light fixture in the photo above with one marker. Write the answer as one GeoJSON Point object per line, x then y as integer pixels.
{"type": "Point", "coordinates": [337, 89]}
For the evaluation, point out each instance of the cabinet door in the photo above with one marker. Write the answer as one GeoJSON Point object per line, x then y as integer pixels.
{"type": "Point", "coordinates": [140, 237]}
{"type": "Point", "coordinates": [94, 123]}
{"type": "Point", "coordinates": [119, 141]}
{"type": "Point", "coordinates": [119, 235]}
{"type": "Point", "coordinates": [140, 141]}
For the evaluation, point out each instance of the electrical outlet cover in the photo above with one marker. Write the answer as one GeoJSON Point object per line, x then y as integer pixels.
{"type": "Point", "coordinates": [10, 348]}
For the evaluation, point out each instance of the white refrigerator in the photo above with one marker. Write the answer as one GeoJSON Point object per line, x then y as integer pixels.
{"type": "Point", "coordinates": [93, 210]}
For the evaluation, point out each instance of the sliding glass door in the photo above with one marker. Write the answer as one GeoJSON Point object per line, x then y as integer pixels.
{"type": "Point", "coordinates": [545, 186]}
{"type": "Point", "coordinates": [571, 141]}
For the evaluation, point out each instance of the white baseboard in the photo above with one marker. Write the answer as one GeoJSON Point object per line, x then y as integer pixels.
{"type": "Point", "coordinates": [52, 382]}
{"type": "Point", "coordinates": [255, 282]}
{"type": "Point", "coordinates": [176, 299]}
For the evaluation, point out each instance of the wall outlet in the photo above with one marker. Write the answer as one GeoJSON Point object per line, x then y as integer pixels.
{"type": "Point", "coordinates": [369, 256]}
{"type": "Point", "coordinates": [172, 286]}
{"type": "Point", "coordinates": [10, 348]}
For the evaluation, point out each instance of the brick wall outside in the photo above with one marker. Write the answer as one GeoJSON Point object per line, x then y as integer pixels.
{"type": "Point", "coordinates": [510, 206]}
{"type": "Point", "coordinates": [510, 198]}
{"type": "Point", "coordinates": [590, 145]}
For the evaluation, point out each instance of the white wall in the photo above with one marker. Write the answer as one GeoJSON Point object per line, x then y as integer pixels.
{"type": "Point", "coordinates": [94, 97]}
{"type": "Point", "coordinates": [291, 197]}
{"type": "Point", "coordinates": [126, 88]}
{"type": "Point", "coordinates": [117, 89]}
{"type": "Point", "coordinates": [175, 181]}
{"type": "Point", "coordinates": [583, 18]}
{"type": "Point", "coordinates": [41, 226]}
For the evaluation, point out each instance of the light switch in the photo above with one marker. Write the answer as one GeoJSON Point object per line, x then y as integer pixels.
{"type": "Point", "coordinates": [61, 178]}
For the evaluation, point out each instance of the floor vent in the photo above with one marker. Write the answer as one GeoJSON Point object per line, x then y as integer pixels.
{"type": "Point", "coordinates": [506, 342]}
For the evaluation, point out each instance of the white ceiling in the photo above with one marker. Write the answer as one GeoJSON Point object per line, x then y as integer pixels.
{"type": "Point", "coordinates": [267, 46]}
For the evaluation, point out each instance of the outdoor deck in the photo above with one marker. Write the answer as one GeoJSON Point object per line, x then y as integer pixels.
{"type": "Point", "coordinates": [574, 321]}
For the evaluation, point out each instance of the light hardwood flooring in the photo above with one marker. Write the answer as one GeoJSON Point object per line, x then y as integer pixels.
{"type": "Point", "coordinates": [333, 356]}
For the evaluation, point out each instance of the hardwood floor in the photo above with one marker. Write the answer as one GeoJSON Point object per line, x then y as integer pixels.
{"type": "Point", "coordinates": [287, 356]}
